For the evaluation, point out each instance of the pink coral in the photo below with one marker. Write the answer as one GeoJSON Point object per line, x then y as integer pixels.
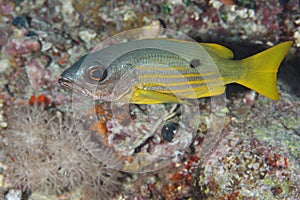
{"type": "Point", "coordinates": [16, 47]}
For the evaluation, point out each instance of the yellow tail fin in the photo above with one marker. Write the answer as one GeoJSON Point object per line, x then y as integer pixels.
{"type": "Point", "coordinates": [262, 68]}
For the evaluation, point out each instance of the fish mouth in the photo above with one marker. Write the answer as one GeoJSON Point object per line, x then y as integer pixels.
{"type": "Point", "coordinates": [71, 85]}
{"type": "Point", "coordinates": [66, 83]}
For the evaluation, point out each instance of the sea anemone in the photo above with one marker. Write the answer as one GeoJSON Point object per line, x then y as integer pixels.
{"type": "Point", "coordinates": [43, 152]}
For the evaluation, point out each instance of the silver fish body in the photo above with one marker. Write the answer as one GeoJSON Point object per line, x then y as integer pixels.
{"type": "Point", "coordinates": [164, 65]}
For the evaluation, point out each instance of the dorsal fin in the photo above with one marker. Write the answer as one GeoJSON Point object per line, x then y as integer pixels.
{"type": "Point", "coordinates": [218, 49]}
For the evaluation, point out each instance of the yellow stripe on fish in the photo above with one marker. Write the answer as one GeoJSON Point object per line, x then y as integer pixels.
{"type": "Point", "coordinates": [167, 70]}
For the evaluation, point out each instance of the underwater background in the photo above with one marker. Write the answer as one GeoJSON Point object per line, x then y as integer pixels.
{"type": "Point", "coordinates": [48, 153]}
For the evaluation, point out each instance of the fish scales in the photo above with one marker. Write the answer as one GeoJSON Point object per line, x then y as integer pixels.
{"type": "Point", "coordinates": [167, 72]}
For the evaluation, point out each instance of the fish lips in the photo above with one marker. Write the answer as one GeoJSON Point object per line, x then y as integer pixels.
{"type": "Point", "coordinates": [71, 85]}
{"type": "Point", "coordinates": [66, 83]}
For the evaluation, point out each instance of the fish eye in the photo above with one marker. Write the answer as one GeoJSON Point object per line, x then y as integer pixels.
{"type": "Point", "coordinates": [95, 74]}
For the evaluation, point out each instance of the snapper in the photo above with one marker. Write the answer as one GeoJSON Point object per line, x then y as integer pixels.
{"type": "Point", "coordinates": [152, 71]}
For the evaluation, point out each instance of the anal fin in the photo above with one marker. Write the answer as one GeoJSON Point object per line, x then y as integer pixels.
{"type": "Point", "coordinates": [141, 96]}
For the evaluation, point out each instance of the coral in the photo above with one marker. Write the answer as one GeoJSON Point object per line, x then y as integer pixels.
{"type": "Point", "coordinates": [37, 72]}
{"type": "Point", "coordinates": [13, 195]}
{"type": "Point", "coordinates": [44, 37]}
{"type": "Point", "coordinates": [2, 194]}
{"type": "Point", "coordinates": [258, 157]}
{"type": "Point", "coordinates": [45, 153]}
{"type": "Point", "coordinates": [17, 47]}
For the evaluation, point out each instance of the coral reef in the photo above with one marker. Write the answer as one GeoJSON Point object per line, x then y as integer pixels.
{"type": "Point", "coordinates": [44, 155]}
{"type": "Point", "coordinates": [258, 157]}
{"type": "Point", "coordinates": [43, 152]}
{"type": "Point", "coordinates": [38, 41]}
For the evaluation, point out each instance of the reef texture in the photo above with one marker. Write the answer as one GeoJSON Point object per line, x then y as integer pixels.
{"type": "Point", "coordinates": [258, 157]}
{"type": "Point", "coordinates": [44, 154]}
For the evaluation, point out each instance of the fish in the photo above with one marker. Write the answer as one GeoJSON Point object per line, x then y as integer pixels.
{"type": "Point", "coordinates": [153, 71]}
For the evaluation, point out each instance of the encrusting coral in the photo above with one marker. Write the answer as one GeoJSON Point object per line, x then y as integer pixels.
{"type": "Point", "coordinates": [43, 152]}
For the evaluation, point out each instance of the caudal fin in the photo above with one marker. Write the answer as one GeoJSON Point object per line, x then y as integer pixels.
{"type": "Point", "coordinates": [262, 70]}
